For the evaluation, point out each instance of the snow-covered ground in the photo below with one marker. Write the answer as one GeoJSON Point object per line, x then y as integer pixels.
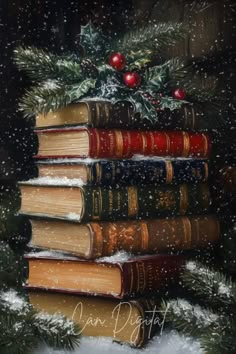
{"type": "Point", "coordinates": [168, 343]}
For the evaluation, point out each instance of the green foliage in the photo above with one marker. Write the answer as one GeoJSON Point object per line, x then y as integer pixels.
{"type": "Point", "coordinates": [92, 41]}
{"type": "Point", "coordinates": [22, 328]}
{"type": "Point", "coordinates": [52, 96]}
{"type": "Point", "coordinates": [41, 65]}
{"type": "Point", "coordinates": [213, 322]}
{"type": "Point", "coordinates": [149, 37]}
{"type": "Point", "coordinates": [61, 80]}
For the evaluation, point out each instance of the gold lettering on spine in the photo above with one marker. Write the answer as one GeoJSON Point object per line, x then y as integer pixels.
{"type": "Point", "coordinates": [205, 145]}
{"type": "Point", "coordinates": [144, 143]}
{"type": "Point", "coordinates": [183, 203]}
{"type": "Point", "coordinates": [97, 203]}
{"type": "Point", "coordinates": [132, 201]}
{"type": "Point", "coordinates": [97, 240]}
{"type": "Point", "coordinates": [187, 231]}
{"type": "Point", "coordinates": [152, 143]}
{"type": "Point", "coordinates": [206, 171]}
{"type": "Point", "coordinates": [98, 143]}
{"type": "Point", "coordinates": [145, 236]}
{"type": "Point", "coordinates": [186, 144]}
{"type": "Point", "coordinates": [131, 279]}
{"type": "Point", "coordinates": [140, 269]}
{"type": "Point", "coordinates": [167, 143]}
{"type": "Point", "coordinates": [119, 143]}
{"type": "Point", "coordinates": [169, 172]}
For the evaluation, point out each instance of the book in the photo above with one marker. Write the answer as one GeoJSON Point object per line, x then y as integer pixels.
{"type": "Point", "coordinates": [104, 114]}
{"type": "Point", "coordinates": [119, 277]}
{"type": "Point", "coordinates": [133, 322]}
{"type": "Point", "coordinates": [100, 239]}
{"type": "Point", "coordinates": [118, 144]}
{"type": "Point", "coordinates": [85, 203]}
{"type": "Point", "coordinates": [126, 172]}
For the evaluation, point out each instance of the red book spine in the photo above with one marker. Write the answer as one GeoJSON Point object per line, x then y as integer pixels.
{"type": "Point", "coordinates": [125, 144]}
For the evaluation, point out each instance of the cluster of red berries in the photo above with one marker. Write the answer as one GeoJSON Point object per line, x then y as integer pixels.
{"type": "Point", "coordinates": [132, 79]}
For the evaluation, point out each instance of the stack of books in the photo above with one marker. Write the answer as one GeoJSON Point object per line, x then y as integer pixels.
{"type": "Point", "coordinates": [110, 210]}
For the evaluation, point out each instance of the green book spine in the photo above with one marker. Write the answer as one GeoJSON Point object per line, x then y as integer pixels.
{"type": "Point", "coordinates": [144, 201]}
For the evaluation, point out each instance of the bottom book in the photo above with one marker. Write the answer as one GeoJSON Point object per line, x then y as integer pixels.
{"type": "Point", "coordinates": [132, 322]}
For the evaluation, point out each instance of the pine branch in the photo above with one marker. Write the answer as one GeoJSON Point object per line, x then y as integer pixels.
{"type": "Point", "coordinates": [221, 340]}
{"type": "Point", "coordinates": [212, 287]}
{"type": "Point", "coordinates": [149, 37]}
{"type": "Point", "coordinates": [40, 65]}
{"type": "Point", "coordinates": [50, 97]}
{"type": "Point", "coordinates": [21, 322]}
{"type": "Point", "coordinates": [56, 330]}
{"type": "Point", "coordinates": [216, 333]}
{"type": "Point", "coordinates": [190, 320]}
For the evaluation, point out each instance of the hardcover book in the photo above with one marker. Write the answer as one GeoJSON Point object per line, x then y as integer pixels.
{"type": "Point", "coordinates": [118, 144]}
{"type": "Point", "coordinates": [103, 203]}
{"type": "Point", "coordinates": [113, 277]}
{"type": "Point", "coordinates": [126, 172]}
{"type": "Point", "coordinates": [100, 239]}
{"type": "Point", "coordinates": [133, 322]}
{"type": "Point", "coordinates": [104, 114]}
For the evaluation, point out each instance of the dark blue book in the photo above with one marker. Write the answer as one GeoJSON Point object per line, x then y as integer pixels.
{"type": "Point", "coordinates": [125, 172]}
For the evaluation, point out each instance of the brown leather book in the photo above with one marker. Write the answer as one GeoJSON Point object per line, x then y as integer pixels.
{"type": "Point", "coordinates": [116, 277]}
{"type": "Point", "coordinates": [100, 239]}
{"type": "Point", "coordinates": [104, 114]}
{"type": "Point", "coordinates": [133, 322]}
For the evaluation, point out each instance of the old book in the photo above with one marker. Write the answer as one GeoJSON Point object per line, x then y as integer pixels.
{"type": "Point", "coordinates": [100, 239]}
{"type": "Point", "coordinates": [126, 172]}
{"type": "Point", "coordinates": [103, 203]}
{"type": "Point", "coordinates": [133, 322]}
{"type": "Point", "coordinates": [118, 144]}
{"type": "Point", "coordinates": [110, 277]}
{"type": "Point", "coordinates": [104, 114]}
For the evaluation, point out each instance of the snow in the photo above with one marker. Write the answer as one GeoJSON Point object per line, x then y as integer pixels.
{"type": "Point", "coordinates": [10, 299]}
{"type": "Point", "coordinates": [50, 254]}
{"type": "Point", "coordinates": [223, 289]}
{"type": "Point", "coordinates": [202, 316]}
{"type": "Point", "coordinates": [56, 181]}
{"type": "Point", "coordinates": [167, 343]}
{"type": "Point", "coordinates": [118, 257]}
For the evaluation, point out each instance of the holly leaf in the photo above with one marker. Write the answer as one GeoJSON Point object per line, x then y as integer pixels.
{"type": "Point", "coordinates": [92, 41]}
{"type": "Point", "coordinates": [81, 89]}
{"type": "Point", "coordinates": [143, 106]}
{"type": "Point", "coordinates": [155, 78]}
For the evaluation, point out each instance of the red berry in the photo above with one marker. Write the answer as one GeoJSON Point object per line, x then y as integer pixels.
{"type": "Point", "coordinates": [132, 79]}
{"type": "Point", "coordinates": [179, 94]}
{"type": "Point", "coordinates": [117, 61]}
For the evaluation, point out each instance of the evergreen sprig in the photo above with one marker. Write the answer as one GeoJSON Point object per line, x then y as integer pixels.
{"type": "Point", "coordinates": [22, 328]}
{"type": "Point", "coordinates": [52, 95]}
{"type": "Point", "coordinates": [213, 323]}
{"type": "Point", "coordinates": [149, 37]}
{"type": "Point", "coordinates": [41, 65]}
{"type": "Point", "coordinates": [214, 287]}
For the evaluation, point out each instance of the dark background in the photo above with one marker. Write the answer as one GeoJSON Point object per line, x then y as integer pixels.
{"type": "Point", "coordinates": [56, 24]}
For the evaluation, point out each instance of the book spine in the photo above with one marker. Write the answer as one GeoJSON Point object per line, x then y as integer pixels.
{"type": "Point", "coordinates": [153, 236]}
{"type": "Point", "coordinates": [105, 173]}
{"type": "Point", "coordinates": [151, 319]}
{"type": "Point", "coordinates": [149, 276]}
{"type": "Point", "coordinates": [125, 144]}
{"type": "Point", "coordinates": [122, 115]}
{"type": "Point", "coordinates": [143, 201]}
